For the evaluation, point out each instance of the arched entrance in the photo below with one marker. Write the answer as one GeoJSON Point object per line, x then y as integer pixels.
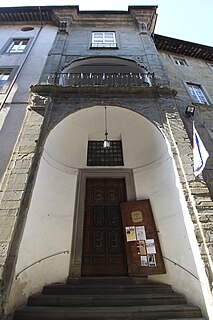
{"type": "Point", "coordinates": [100, 250]}
{"type": "Point", "coordinates": [53, 234]}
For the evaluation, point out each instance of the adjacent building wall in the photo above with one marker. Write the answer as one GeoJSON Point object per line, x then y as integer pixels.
{"type": "Point", "coordinates": [198, 72]}
{"type": "Point", "coordinates": [28, 67]}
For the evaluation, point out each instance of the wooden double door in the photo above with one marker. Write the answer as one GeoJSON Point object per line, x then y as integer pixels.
{"type": "Point", "coordinates": [103, 239]}
{"type": "Point", "coordinates": [119, 237]}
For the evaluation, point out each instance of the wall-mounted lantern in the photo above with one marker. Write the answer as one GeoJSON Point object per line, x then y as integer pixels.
{"type": "Point", "coordinates": [190, 110]}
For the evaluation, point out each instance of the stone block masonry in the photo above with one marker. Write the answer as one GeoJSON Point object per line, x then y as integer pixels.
{"type": "Point", "coordinates": [15, 197]}
{"type": "Point", "coordinates": [195, 191]}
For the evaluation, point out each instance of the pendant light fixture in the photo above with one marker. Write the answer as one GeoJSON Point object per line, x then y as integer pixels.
{"type": "Point", "coordinates": [106, 143]}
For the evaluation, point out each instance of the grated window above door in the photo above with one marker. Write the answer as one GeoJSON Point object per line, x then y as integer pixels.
{"type": "Point", "coordinates": [97, 155]}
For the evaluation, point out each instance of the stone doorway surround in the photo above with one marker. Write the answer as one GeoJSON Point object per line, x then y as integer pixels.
{"type": "Point", "coordinates": [76, 250]}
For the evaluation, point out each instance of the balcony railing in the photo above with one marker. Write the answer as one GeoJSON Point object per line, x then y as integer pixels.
{"type": "Point", "coordinates": [102, 79]}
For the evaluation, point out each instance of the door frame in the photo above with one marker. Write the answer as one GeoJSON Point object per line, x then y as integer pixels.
{"type": "Point", "coordinates": [78, 219]}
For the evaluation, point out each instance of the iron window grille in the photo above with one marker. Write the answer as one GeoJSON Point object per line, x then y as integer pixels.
{"type": "Point", "coordinates": [97, 155]}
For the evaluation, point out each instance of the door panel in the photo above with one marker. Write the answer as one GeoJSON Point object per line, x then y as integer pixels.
{"type": "Point", "coordinates": [103, 242]}
{"type": "Point", "coordinates": [143, 250]}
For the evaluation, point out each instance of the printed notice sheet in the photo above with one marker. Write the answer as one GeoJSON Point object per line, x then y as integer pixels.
{"type": "Point", "coordinates": [151, 260]}
{"type": "Point", "coordinates": [140, 232]}
{"type": "Point", "coordinates": [130, 234]}
{"type": "Point", "coordinates": [144, 261]}
{"type": "Point", "coordinates": [150, 246]}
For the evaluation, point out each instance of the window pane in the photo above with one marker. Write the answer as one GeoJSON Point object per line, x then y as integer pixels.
{"type": "Point", "coordinates": [18, 45]}
{"type": "Point", "coordinates": [180, 62]}
{"type": "Point", "coordinates": [21, 47]}
{"type": "Point", "coordinates": [103, 39]}
{"type": "Point", "coordinates": [98, 36]}
{"type": "Point", "coordinates": [197, 94]}
{"type": "Point", "coordinates": [14, 48]}
{"type": "Point", "coordinates": [4, 76]}
{"type": "Point", "coordinates": [109, 35]}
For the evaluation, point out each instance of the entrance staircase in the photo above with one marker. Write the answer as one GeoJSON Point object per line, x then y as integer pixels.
{"type": "Point", "coordinates": [107, 298]}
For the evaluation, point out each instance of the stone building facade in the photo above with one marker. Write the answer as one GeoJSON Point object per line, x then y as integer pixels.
{"type": "Point", "coordinates": [64, 73]}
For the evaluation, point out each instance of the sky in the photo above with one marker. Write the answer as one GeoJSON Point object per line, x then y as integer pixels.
{"type": "Point", "coordinates": [189, 20]}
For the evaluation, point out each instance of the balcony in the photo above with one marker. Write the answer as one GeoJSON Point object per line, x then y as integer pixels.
{"type": "Point", "coordinates": [101, 79]}
{"type": "Point", "coordinates": [99, 83]}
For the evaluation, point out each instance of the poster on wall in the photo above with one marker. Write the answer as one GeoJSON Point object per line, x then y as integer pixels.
{"type": "Point", "coordinates": [141, 233]}
{"type": "Point", "coordinates": [144, 261]}
{"type": "Point", "coordinates": [130, 234]}
{"type": "Point", "coordinates": [151, 260]}
{"type": "Point", "coordinates": [150, 246]}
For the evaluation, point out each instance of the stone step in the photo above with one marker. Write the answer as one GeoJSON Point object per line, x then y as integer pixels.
{"type": "Point", "coordinates": [107, 288]}
{"type": "Point", "coordinates": [106, 300]}
{"type": "Point", "coordinates": [109, 299]}
{"type": "Point", "coordinates": [184, 319]}
{"type": "Point", "coordinates": [107, 313]}
{"type": "Point", "coordinates": [108, 280]}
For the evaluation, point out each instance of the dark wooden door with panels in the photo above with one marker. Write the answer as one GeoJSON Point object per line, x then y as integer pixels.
{"type": "Point", "coordinates": [103, 240]}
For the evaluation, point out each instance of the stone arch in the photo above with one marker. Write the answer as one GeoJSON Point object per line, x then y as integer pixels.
{"type": "Point", "coordinates": [135, 64]}
{"type": "Point", "coordinates": [52, 213]}
{"type": "Point", "coordinates": [69, 107]}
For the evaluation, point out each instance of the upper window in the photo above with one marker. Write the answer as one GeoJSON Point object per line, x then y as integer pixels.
{"type": "Point", "coordinates": [197, 93]}
{"type": "Point", "coordinates": [180, 62]}
{"type": "Point", "coordinates": [104, 40]}
{"type": "Point", "coordinates": [17, 45]}
{"type": "Point", "coordinates": [4, 79]}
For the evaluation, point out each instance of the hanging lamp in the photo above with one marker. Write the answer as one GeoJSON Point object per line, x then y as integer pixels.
{"type": "Point", "coordinates": [106, 143]}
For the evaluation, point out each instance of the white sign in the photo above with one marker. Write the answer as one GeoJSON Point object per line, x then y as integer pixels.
{"type": "Point", "coordinates": [150, 246]}
{"type": "Point", "coordinates": [140, 233]}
